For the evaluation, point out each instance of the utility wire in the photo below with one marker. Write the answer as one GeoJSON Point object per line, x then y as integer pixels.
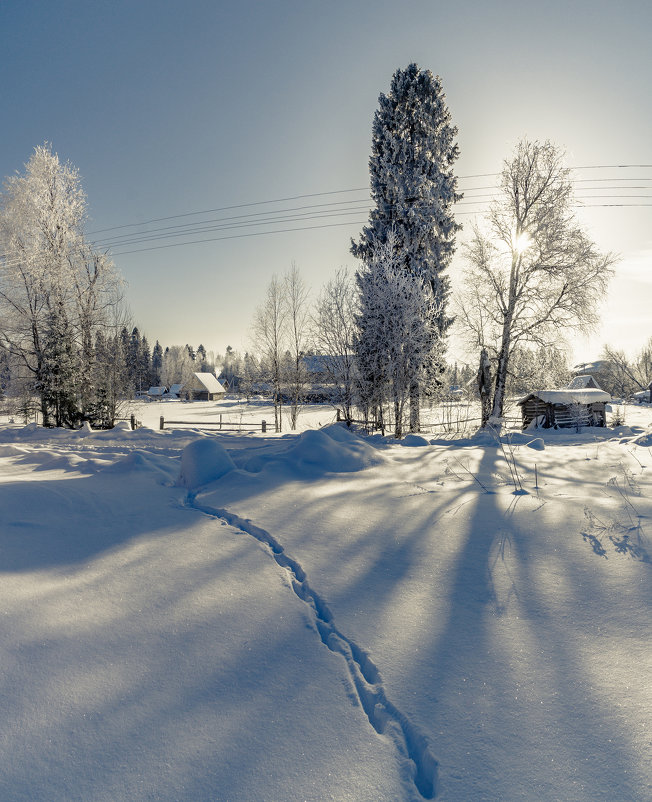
{"type": "Point", "coordinates": [333, 192]}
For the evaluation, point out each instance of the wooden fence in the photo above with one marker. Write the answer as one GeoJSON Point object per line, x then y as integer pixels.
{"type": "Point", "coordinates": [251, 426]}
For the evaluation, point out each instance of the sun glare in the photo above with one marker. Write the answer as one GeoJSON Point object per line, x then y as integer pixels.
{"type": "Point", "coordinates": [520, 242]}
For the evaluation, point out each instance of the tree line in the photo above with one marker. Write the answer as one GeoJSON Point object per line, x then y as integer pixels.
{"type": "Point", "coordinates": [531, 275]}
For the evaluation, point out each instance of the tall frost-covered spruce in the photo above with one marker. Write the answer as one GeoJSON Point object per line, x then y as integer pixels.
{"type": "Point", "coordinates": [413, 187]}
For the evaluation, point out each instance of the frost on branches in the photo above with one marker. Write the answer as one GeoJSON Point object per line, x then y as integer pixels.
{"type": "Point", "coordinates": [56, 291]}
{"type": "Point", "coordinates": [397, 343]}
{"type": "Point", "coordinates": [533, 273]}
{"type": "Point", "coordinates": [413, 186]}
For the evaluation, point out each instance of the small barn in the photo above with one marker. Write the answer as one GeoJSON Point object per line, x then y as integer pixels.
{"type": "Point", "coordinates": [203, 387]}
{"type": "Point", "coordinates": [569, 408]}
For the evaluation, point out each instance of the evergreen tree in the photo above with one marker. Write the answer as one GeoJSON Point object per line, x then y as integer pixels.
{"type": "Point", "coordinates": [111, 379]}
{"type": "Point", "coordinates": [413, 187]}
{"type": "Point", "coordinates": [201, 359]}
{"type": "Point", "coordinates": [157, 365]}
{"type": "Point", "coordinates": [59, 374]}
{"type": "Point", "coordinates": [145, 365]}
{"type": "Point", "coordinates": [394, 349]}
{"type": "Point", "coordinates": [134, 359]}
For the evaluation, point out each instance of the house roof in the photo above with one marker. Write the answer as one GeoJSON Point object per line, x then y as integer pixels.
{"type": "Point", "coordinates": [582, 383]}
{"type": "Point", "coordinates": [175, 389]}
{"type": "Point", "coordinates": [588, 395]}
{"type": "Point", "coordinates": [323, 363]}
{"type": "Point", "coordinates": [156, 391]}
{"type": "Point", "coordinates": [210, 382]}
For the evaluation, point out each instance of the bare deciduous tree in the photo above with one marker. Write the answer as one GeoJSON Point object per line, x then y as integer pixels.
{"type": "Point", "coordinates": [334, 336]}
{"type": "Point", "coordinates": [270, 336]}
{"type": "Point", "coordinates": [297, 318]}
{"type": "Point", "coordinates": [535, 273]}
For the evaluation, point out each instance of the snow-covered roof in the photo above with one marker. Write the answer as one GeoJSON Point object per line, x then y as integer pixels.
{"type": "Point", "coordinates": [589, 395]}
{"type": "Point", "coordinates": [210, 382]}
{"type": "Point", "coordinates": [582, 383]}
{"type": "Point", "coordinates": [156, 391]}
{"type": "Point", "coordinates": [592, 367]}
{"type": "Point", "coordinates": [175, 389]}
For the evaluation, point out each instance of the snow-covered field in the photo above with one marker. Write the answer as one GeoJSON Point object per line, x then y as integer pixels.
{"type": "Point", "coordinates": [223, 616]}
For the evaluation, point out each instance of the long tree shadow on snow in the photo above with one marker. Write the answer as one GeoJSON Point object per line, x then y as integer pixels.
{"type": "Point", "coordinates": [506, 677]}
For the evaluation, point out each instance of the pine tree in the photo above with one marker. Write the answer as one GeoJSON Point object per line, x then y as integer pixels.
{"type": "Point", "coordinates": [157, 365]}
{"type": "Point", "coordinates": [59, 374]}
{"type": "Point", "coordinates": [201, 359]}
{"type": "Point", "coordinates": [144, 364]}
{"type": "Point", "coordinates": [413, 187]}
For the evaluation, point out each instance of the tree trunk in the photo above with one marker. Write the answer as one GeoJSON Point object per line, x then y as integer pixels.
{"type": "Point", "coordinates": [501, 375]}
{"type": "Point", "coordinates": [415, 420]}
{"type": "Point", "coordinates": [484, 387]}
{"type": "Point", "coordinates": [398, 420]}
{"type": "Point", "coordinates": [506, 340]}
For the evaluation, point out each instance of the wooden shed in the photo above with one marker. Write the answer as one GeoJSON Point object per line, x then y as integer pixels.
{"type": "Point", "coordinates": [203, 387]}
{"type": "Point", "coordinates": [565, 408]}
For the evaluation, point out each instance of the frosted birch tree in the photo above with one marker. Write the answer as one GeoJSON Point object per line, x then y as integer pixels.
{"type": "Point", "coordinates": [533, 273]}
{"type": "Point", "coordinates": [413, 188]}
{"type": "Point", "coordinates": [48, 272]}
{"type": "Point", "coordinates": [177, 366]}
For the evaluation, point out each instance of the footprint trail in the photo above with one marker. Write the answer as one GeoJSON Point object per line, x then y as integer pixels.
{"type": "Point", "coordinates": [383, 715]}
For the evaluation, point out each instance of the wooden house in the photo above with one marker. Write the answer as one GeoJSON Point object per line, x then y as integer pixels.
{"type": "Point", "coordinates": [569, 408]}
{"type": "Point", "coordinates": [202, 387]}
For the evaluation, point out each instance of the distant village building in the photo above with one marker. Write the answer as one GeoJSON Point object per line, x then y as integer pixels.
{"type": "Point", "coordinates": [156, 392]}
{"type": "Point", "coordinates": [583, 383]}
{"type": "Point", "coordinates": [202, 387]}
{"type": "Point", "coordinates": [568, 408]}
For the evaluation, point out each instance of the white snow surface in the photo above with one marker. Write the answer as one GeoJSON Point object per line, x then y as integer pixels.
{"type": "Point", "coordinates": [196, 615]}
{"type": "Point", "coordinates": [587, 395]}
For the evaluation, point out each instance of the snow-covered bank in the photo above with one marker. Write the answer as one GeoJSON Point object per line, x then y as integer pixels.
{"type": "Point", "coordinates": [322, 617]}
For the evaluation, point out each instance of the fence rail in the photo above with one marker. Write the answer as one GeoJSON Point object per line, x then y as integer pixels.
{"type": "Point", "coordinates": [251, 426]}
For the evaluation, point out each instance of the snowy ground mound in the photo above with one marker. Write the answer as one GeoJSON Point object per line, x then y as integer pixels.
{"type": "Point", "coordinates": [333, 449]}
{"type": "Point", "coordinates": [203, 461]}
{"type": "Point", "coordinates": [414, 440]}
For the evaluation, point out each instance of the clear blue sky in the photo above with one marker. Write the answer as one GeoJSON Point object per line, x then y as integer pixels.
{"type": "Point", "coordinates": [169, 107]}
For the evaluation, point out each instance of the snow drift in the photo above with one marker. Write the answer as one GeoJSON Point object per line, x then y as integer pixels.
{"type": "Point", "coordinates": [203, 461]}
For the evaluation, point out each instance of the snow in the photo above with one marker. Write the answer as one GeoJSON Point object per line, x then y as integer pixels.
{"type": "Point", "coordinates": [203, 461]}
{"type": "Point", "coordinates": [210, 382]}
{"type": "Point", "coordinates": [196, 615]}
{"type": "Point", "coordinates": [588, 395]}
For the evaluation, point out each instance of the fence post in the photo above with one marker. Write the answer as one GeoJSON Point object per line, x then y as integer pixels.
{"type": "Point", "coordinates": [338, 419]}
{"type": "Point", "coordinates": [161, 424]}
{"type": "Point", "coordinates": [133, 422]}
{"type": "Point", "coordinates": [220, 420]}
{"type": "Point", "coordinates": [264, 426]}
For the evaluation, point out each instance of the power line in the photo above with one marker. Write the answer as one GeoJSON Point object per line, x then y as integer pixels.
{"type": "Point", "coordinates": [229, 224]}
{"type": "Point", "coordinates": [242, 236]}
